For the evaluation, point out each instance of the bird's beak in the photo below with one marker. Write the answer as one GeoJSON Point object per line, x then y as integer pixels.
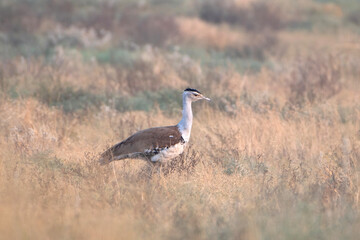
{"type": "Point", "coordinates": [206, 98]}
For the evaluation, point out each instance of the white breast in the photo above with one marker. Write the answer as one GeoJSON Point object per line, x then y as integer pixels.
{"type": "Point", "coordinates": [186, 134]}
{"type": "Point", "coordinates": [169, 153]}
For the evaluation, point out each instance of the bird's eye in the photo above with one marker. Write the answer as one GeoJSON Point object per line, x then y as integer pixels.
{"type": "Point", "coordinates": [195, 94]}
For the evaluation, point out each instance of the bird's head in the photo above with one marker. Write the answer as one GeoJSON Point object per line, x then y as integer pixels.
{"type": "Point", "coordinates": [194, 95]}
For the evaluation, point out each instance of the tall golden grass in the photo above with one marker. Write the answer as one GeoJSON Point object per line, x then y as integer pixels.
{"type": "Point", "coordinates": [274, 155]}
{"type": "Point", "coordinates": [258, 166]}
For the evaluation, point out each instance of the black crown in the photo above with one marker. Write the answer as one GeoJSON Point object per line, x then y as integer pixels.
{"type": "Point", "coordinates": [191, 90]}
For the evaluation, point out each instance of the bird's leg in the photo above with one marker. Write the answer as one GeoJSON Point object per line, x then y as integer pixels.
{"type": "Point", "coordinates": [151, 166]}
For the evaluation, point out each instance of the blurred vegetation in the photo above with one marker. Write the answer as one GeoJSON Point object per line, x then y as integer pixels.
{"type": "Point", "coordinates": [275, 155]}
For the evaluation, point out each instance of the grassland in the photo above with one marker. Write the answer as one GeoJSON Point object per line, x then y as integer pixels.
{"type": "Point", "coordinates": [274, 155]}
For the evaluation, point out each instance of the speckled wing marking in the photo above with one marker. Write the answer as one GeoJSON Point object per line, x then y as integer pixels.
{"type": "Point", "coordinates": [144, 144]}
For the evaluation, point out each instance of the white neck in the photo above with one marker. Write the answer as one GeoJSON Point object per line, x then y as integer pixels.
{"type": "Point", "coordinates": [187, 117]}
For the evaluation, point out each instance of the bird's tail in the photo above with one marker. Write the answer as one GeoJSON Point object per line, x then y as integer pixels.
{"type": "Point", "coordinates": [109, 155]}
{"type": "Point", "coordinates": [104, 160]}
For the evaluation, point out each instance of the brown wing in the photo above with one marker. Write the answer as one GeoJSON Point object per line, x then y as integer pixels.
{"type": "Point", "coordinates": [144, 141]}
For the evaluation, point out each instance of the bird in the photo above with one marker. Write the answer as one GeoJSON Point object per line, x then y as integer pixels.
{"type": "Point", "coordinates": [158, 144]}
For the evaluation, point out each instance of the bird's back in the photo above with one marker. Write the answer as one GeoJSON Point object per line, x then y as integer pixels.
{"type": "Point", "coordinates": [145, 143]}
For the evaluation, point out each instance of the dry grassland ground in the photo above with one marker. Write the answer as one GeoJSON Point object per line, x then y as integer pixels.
{"type": "Point", "coordinates": [274, 155]}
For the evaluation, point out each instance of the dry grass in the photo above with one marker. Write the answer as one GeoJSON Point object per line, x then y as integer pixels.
{"type": "Point", "coordinates": [275, 155]}
{"type": "Point", "coordinates": [271, 160]}
{"type": "Point", "coordinates": [211, 35]}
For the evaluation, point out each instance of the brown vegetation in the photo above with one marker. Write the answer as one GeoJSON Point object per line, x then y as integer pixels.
{"type": "Point", "coordinates": [274, 155]}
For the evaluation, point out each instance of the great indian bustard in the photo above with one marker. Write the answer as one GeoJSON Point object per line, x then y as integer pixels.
{"type": "Point", "coordinates": [158, 144]}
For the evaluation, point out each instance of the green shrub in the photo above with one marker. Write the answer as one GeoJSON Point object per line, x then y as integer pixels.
{"type": "Point", "coordinates": [166, 99]}
{"type": "Point", "coordinates": [259, 16]}
{"type": "Point", "coordinates": [67, 98]}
